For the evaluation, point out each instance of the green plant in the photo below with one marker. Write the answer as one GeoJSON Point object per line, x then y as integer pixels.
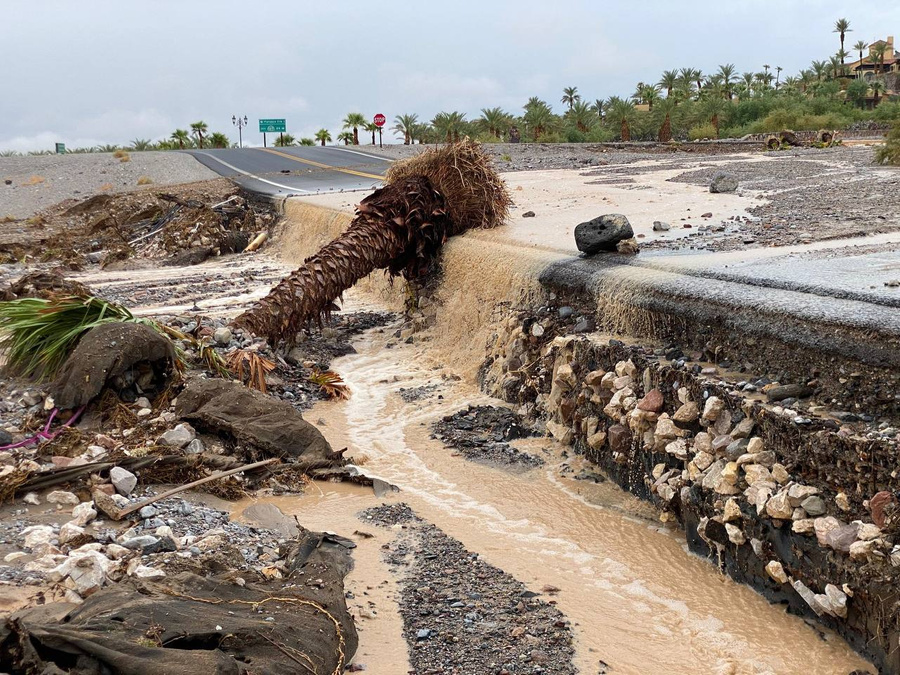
{"type": "Point", "coordinates": [323, 135]}
{"type": "Point", "coordinates": [889, 153]}
{"type": "Point", "coordinates": [702, 132]}
{"type": "Point", "coordinates": [354, 121]}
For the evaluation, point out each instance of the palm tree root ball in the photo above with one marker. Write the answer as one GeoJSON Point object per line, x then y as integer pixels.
{"type": "Point", "coordinates": [399, 228]}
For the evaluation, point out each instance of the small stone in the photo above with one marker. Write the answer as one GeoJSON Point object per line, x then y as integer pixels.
{"type": "Point", "coordinates": [732, 511]}
{"type": "Point", "coordinates": [780, 474]}
{"type": "Point", "coordinates": [149, 511]}
{"type": "Point", "coordinates": [843, 503]}
{"type": "Point", "coordinates": [702, 460]}
{"type": "Point", "coordinates": [178, 437]}
{"type": "Point", "coordinates": [116, 552]}
{"type": "Point", "coordinates": [145, 572]}
{"type": "Point", "coordinates": [776, 571]}
{"type": "Point", "coordinates": [861, 550]}
{"type": "Point", "coordinates": [755, 445]}
{"type": "Point", "coordinates": [735, 449]}
{"type": "Point", "coordinates": [779, 506]}
{"type": "Point", "coordinates": [687, 413]}
{"type": "Point", "coordinates": [123, 480]}
{"type": "Point", "coordinates": [63, 498]}
{"type": "Point", "coordinates": [69, 532]}
{"type": "Point", "coordinates": [838, 600]}
{"type": "Point", "coordinates": [730, 473]}
{"type": "Point", "coordinates": [222, 336]}
{"type": "Point", "coordinates": [755, 473]}
{"type": "Point", "coordinates": [660, 226]}
{"type": "Point", "coordinates": [537, 330]}
{"type": "Point", "coordinates": [804, 526]}
{"type": "Point", "coordinates": [195, 447]}
{"type": "Point", "coordinates": [602, 233]}
{"type": "Point", "coordinates": [652, 402]}
{"type": "Point", "coordinates": [723, 182]}
{"type": "Point", "coordinates": [813, 505]}
{"type": "Point", "coordinates": [37, 536]}
{"type": "Point", "coordinates": [735, 535]}
{"type": "Point", "coordinates": [714, 405]}
{"type": "Point", "coordinates": [797, 493]}
{"type": "Point", "coordinates": [83, 514]}
{"type": "Point", "coordinates": [32, 499]}
{"type": "Point", "coordinates": [842, 538]}
{"type": "Point", "coordinates": [824, 525]}
{"type": "Point", "coordinates": [867, 531]}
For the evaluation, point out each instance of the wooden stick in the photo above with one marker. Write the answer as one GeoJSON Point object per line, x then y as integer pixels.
{"type": "Point", "coordinates": [187, 486]}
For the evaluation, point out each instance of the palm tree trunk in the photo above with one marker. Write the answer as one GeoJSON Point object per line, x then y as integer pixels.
{"type": "Point", "coordinates": [665, 132]}
{"type": "Point", "coordinates": [626, 132]}
{"type": "Point", "coordinates": [355, 136]}
{"type": "Point", "coordinates": [399, 227]}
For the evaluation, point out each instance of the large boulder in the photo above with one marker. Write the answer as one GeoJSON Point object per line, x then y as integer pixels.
{"type": "Point", "coordinates": [722, 182]}
{"type": "Point", "coordinates": [602, 233]}
{"type": "Point", "coordinates": [272, 427]}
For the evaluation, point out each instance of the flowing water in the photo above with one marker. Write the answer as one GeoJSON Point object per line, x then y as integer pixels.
{"type": "Point", "coordinates": [637, 599]}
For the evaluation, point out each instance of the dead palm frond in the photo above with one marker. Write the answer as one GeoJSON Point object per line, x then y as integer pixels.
{"type": "Point", "coordinates": [331, 383]}
{"type": "Point", "coordinates": [37, 334]}
{"type": "Point", "coordinates": [250, 368]}
{"type": "Point", "coordinates": [399, 228]}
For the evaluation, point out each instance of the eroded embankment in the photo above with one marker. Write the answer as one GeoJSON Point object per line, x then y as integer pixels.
{"type": "Point", "coordinates": [786, 501]}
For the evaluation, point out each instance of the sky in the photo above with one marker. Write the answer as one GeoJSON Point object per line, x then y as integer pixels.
{"type": "Point", "coordinates": [86, 72]}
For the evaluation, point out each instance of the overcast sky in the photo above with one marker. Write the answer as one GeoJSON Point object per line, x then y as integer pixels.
{"type": "Point", "coordinates": [86, 72]}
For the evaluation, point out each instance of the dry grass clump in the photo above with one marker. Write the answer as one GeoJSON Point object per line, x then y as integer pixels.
{"type": "Point", "coordinates": [475, 195]}
{"type": "Point", "coordinates": [34, 180]}
{"type": "Point", "coordinates": [145, 180]}
{"type": "Point", "coordinates": [119, 154]}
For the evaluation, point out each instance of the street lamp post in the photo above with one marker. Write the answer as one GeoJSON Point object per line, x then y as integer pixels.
{"type": "Point", "coordinates": [240, 123]}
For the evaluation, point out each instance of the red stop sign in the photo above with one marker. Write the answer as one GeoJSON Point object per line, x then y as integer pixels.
{"type": "Point", "coordinates": [379, 120]}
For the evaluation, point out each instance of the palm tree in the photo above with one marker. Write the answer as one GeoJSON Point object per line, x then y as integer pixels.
{"type": "Point", "coordinates": [404, 124]}
{"type": "Point", "coordinates": [727, 74]}
{"type": "Point", "coordinates": [570, 96]}
{"type": "Point", "coordinates": [685, 87]}
{"type": "Point", "coordinates": [323, 136]}
{"type": "Point", "coordinates": [669, 81]}
{"type": "Point", "coordinates": [220, 140]}
{"type": "Point", "coordinates": [354, 121]}
{"type": "Point", "coordinates": [538, 116]}
{"type": "Point", "coordinates": [620, 112]}
{"type": "Point", "coordinates": [877, 55]}
{"type": "Point", "coordinates": [285, 141]}
{"type": "Point", "coordinates": [666, 107]}
{"type": "Point", "coordinates": [842, 26]}
{"type": "Point", "coordinates": [748, 79]}
{"type": "Point", "coordinates": [493, 120]}
{"type": "Point", "coordinates": [399, 228]}
{"type": "Point", "coordinates": [181, 137]}
{"type": "Point", "coordinates": [842, 56]}
{"type": "Point", "coordinates": [713, 107]}
{"type": "Point", "coordinates": [819, 68]}
{"type": "Point", "coordinates": [860, 46]}
{"type": "Point", "coordinates": [140, 144]}
{"type": "Point", "coordinates": [698, 78]}
{"type": "Point", "coordinates": [648, 93]}
{"type": "Point", "coordinates": [371, 128]}
{"type": "Point", "coordinates": [199, 128]}
{"type": "Point", "coordinates": [582, 115]}
{"type": "Point", "coordinates": [307, 141]}
{"type": "Point", "coordinates": [597, 107]}
{"type": "Point", "coordinates": [778, 70]}
{"type": "Point", "coordinates": [877, 87]}
{"type": "Point", "coordinates": [347, 137]}
{"type": "Point", "coordinates": [835, 64]}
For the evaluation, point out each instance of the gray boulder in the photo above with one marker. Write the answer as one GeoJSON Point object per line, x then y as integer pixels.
{"type": "Point", "coordinates": [602, 233]}
{"type": "Point", "coordinates": [722, 182]}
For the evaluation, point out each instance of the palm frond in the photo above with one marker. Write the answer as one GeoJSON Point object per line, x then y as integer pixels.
{"type": "Point", "coordinates": [331, 383]}
{"type": "Point", "coordinates": [250, 368]}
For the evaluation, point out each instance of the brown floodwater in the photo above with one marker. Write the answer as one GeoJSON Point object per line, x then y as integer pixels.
{"type": "Point", "coordinates": [636, 597]}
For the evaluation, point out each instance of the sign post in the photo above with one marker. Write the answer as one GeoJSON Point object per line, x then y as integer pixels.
{"type": "Point", "coordinates": [379, 122]}
{"type": "Point", "coordinates": [272, 126]}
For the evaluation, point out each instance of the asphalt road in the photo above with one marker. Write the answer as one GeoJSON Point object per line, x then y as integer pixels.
{"type": "Point", "coordinates": [296, 171]}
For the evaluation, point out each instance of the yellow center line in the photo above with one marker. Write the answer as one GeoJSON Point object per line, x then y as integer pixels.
{"type": "Point", "coordinates": [322, 166]}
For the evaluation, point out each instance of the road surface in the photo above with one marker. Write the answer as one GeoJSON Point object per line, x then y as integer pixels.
{"type": "Point", "coordinates": [296, 171]}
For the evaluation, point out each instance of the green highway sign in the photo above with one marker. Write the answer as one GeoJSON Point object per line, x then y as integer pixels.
{"type": "Point", "coordinates": [60, 148]}
{"type": "Point", "coordinates": [273, 126]}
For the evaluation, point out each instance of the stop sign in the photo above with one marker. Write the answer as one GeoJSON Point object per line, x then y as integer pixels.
{"type": "Point", "coordinates": [379, 120]}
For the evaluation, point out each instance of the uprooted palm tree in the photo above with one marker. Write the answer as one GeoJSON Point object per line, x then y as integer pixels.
{"type": "Point", "coordinates": [399, 228]}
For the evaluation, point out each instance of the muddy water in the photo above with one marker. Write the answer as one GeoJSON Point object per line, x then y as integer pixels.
{"type": "Point", "coordinates": [636, 597]}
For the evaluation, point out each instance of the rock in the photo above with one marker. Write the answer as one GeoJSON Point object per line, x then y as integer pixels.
{"type": "Point", "coordinates": [678, 448]}
{"type": "Point", "coordinates": [222, 336]}
{"type": "Point", "coordinates": [730, 473]}
{"type": "Point", "coordinates": [528, 214]}
{"type": "Point", "coordinates": [145, 572]}
{"type": "Point", "coordinates": [735, 449]}
{"type": "Point", "coordinates": [652, 402]}
{"type": "Point", "coordinates": [619, 438]}
{"type": "Point", "coordinates": [842, 538]}
{"type": "Point", "coordinates": [781, 392]}
{"type": "Point", "coordinates": [723, 182]}
{"type": "Point", "coordinates": [780, 474]}
{"type": "Point", "coordinates": [755, 473]}
{"type": "Point", "coordinates": [660, 226]}
{"type": "Point", "coordinates": [688, 413]}
{"type": "Point", "coordinates": [83, 514]}
{"type": "Point", "coordinates": [776, 571]}
{"type": "Point", "coordinates": [877, 504]}
{"type": "Point", "coordinates": [804, 526]}
{"type": "Point", "coordinates": [69, 532]}
{"type": "Point", "coordinates": [861, 550]}
{"type": "Point", "coordinates": [867, 531]}
{"type": "Point", "coordinates": [744, 428]}
{"type": "Point", "coordinates": [116, 552]}
{"type": "Point", "coordinates": [702, 460]}
{"type": "Point", "coordinates": [716, 531]}
{"type": "Point", "coordinates": [178, 437]}
{"type": "Point", "coordinates": [825, 525]}
{"type": "Point", "coordinates": [597, 440]}
{"type": "Point", "coordinates": [123, 480]}
{"type": "Point", "coordinates": [732, 511]}
{"type": "Point", "coordinates": [779, 506]}
{"type": "Point", "coordinates": [148, 511]}
{"type": "Point", "coordinates": [807, 595]}
{"type": "Point", "coordinates": [837, 601]}
{"type": "Point", "coordinates": [735, 535]}
{"type": "Point", "coordinates": [714, 405]}
{"type": "Point", "coordinates": [37, 536]}
{"type": "Point", "coordinates": [32, 499]}
{"type": "Point", "coordinates": [714, 476]}
{"type": "Point", "coordinates": [755, 445]}
{"type": "Point", "coordinates": [628, 246]}
{"type": "Point", "coordinates": [63, 498]}
{"type": "Point", "coordinates": [561, 432]}
{"type": "Point", "coordinates": [85, 572]}
{"type": "Point", "coordinates": [602, 233]}
{"type": "Point", "coordinates": [537, 330]}
{"type": "Point", "coordinates": [813, 505]}
{"type": "Point", "coordinates": [842, 502]}
{"type": "Point", "coordinates": [147, 544]}
{"type": "Point", "coordinates": [797, 493]}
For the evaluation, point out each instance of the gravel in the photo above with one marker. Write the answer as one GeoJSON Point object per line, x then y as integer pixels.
{"type": "Point", "coordinates": [40, 181]}
{"type": "Point", "coordinates": [481, 434]}
{"type": "Point", "coordinates": [462, 615]}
